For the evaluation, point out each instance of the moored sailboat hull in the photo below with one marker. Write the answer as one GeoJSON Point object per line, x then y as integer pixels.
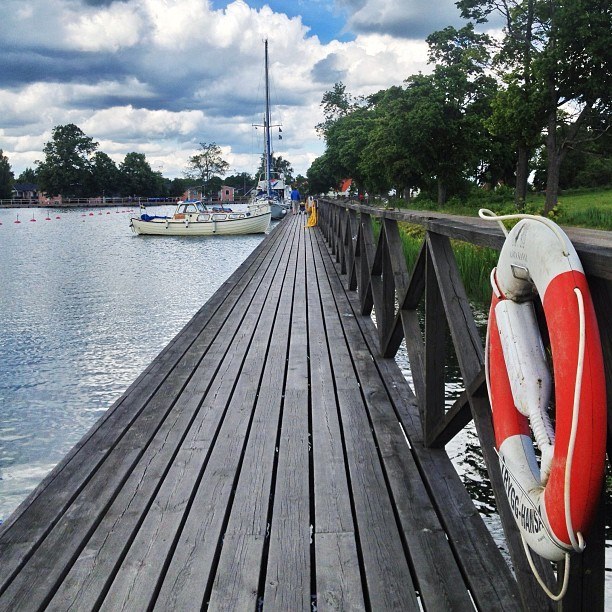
{"type": "Point", "coordinates": [194, 219]}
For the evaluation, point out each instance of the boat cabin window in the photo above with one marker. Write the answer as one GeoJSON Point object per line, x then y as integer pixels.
{"type": "Point", "coordinates": [190, 208]}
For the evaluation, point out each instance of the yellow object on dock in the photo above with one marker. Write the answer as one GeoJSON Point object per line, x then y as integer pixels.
{"type": "Point", "coordinates": [311, 206]}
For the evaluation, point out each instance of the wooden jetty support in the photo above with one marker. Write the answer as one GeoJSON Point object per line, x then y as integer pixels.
{"type": "Point", "coordinates": [273, 457]}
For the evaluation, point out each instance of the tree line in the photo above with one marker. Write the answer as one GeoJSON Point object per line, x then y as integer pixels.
{"type": "Point", "coordinates": [74, 167]}
{"type": "Point", "coordinates": [534, 102]}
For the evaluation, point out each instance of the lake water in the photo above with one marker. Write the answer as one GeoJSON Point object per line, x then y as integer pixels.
{"type": "Point", "coordinates": [86, 305]}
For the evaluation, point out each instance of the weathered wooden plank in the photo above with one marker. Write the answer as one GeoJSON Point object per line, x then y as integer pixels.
{"type": "Point", "coordinates": [433, 564]}
{"type": "Point", "coordinates": [387, 575]}
{"type": "Point", "coordinates": [385, 313]}
{"type": "Point", "coordinates": [189, 508]}
{"type": "Point", "coordinates": [384, 559]}
{"type": "Point", "coordinates": [288, 573]}
{"type": "Point", "coordinates": [236, 585]}
{"type": "Point", "coordinates": [352, 280]}
{"type": "Point", "coordinates": [88, 578]}
{"type": "Point", "coordinates": [339, 586]}
{"type": "Point", "coordinates": [338, 576]}
{"type": "Point", "coordinates": [118, 450]}
{"type": "Point", "coordinates": [456, 417]}
{"type": "Point", "coordinates": [350, 239]}
{"type": "Point", "coordinates": [401, 281]}
{"type": "Point", "coordinates": [367, 249]}
{"type": "Point", "coordinates": [411, 327]}
{"type": "Point", "coordinates": [193, 559]}
{"type": "Point", "coordinates": [374, 525]}
{"type": "Point", "coordinates": [491, 582]}
{"type": "Point", "coordinates": [342, 229]}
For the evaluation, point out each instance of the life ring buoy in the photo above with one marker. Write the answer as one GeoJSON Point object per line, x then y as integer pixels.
{"type": "Point", "coordinates": [553, 503]}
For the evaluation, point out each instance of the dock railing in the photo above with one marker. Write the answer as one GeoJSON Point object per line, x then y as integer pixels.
{"type": "Point", "coordinates": [376, 269]}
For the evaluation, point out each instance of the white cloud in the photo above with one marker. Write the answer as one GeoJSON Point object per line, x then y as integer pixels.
{"type": "Point", "coordinates": [128, 123]}
{"type": "Point", "coordinates": [408, 19]}
{"type": "Point", "coordinates": [108, 29]}
{"type": "Point", "coordinates": [160, 76]}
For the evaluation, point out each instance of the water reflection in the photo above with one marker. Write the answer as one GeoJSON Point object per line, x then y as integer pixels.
{"type": "Point", "coordinates": [86, 305]}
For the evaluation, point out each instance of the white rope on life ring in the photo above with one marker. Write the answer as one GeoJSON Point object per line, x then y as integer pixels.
{"type": "Point", "coordinates": [552, 504]}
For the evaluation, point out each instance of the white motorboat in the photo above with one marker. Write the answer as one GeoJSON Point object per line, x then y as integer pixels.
{"type": "Point", "coordinates": [193, 218]}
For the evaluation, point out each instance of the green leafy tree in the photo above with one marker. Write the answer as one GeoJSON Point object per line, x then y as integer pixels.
{"type": "Point", "coordinates": [242, 182]}
{"type": "Point", "coordinates": [589, 165]}
{"type": "Point", "coordinates": [386, 161]}
{"type": "Point", "coordinates": [137, 178]}
{"type": "Point", "coordinates": [336, 103]}
{"type": "Point", "coordinates": [301, 182]}
{"type": "Point", "coordinates": [554, 56]}
{"type": "Point", "coordinates": [432, 134]}
{"type": "Point", "coordinates": [29, 175]}
{"type": "Point", "coordinates": [6, 177]}
{"type": "Point", "coordinates": [520, 112]}
{"type": "Point", "coordinates": [205, 164]}
{"type": "Point", "coordinates": [575, 70]}
{"type": "Point", "coordinates": [429, 134]}
{"type": "Point", "coordinates": [320, 177]}
{"type": "Point", "coordinates": [346, 139]}
{"type": "Point", "coordinates": [105, 176]}
{"type": "Point", "coordinates": [278, 166]}
{"type": "Point", "coordinates": [66, 168]}
{"type": "Point", "coordinates": [178, 186]}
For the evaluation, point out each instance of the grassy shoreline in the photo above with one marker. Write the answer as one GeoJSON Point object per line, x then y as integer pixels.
{"type": "Point", "coordinates": [584, 208]}
{"type": "Point", "coordinates": [475, 263]}
{"type": "Point", "coordinates": [590, 208]}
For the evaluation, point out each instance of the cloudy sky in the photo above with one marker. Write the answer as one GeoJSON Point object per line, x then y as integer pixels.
{"type": "Point", "coordinates": [160, 76]}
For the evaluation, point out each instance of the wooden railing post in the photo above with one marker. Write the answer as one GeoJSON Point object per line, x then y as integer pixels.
{"type": "Point", "coordinates": [432, 409]}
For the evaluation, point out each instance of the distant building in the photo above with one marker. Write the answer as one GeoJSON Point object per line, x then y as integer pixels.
{"type": "Point", "coordinates": [195, 193]}
{"type": "Point", "coordinates": [25, 191]}
{"type": "Point", "coordinates": [344, 189]}
{"type": "Point", "coordinates": [226, 194]}
{"type": "Point", "coordinates": [192, 193]}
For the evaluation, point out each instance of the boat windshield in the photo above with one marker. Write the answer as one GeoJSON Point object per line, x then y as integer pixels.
{"type": "Point", "coordinates": [190, 208]}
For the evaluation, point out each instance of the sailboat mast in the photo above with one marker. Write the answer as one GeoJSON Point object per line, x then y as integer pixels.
{"type": "Point", "coordinates": [268, 151]}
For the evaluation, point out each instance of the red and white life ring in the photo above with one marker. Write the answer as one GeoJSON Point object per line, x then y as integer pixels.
{"type": "Point", "coordinates": [554, 502]}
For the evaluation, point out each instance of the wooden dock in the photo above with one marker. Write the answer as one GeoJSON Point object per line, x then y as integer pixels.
{"type": "Point", "coordinates": [268, 459]}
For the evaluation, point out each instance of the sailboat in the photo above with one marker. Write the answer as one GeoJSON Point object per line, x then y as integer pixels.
{"type": "Point", "coordinates": [195, 218]}
{"type": "Point", "coordinates": [271, 188]}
